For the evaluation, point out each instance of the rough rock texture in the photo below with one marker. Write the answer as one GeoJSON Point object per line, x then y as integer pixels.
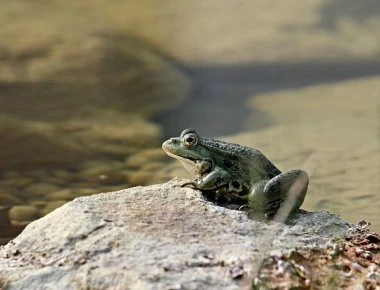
{"type": "Point", "coordinates": [156, 237]}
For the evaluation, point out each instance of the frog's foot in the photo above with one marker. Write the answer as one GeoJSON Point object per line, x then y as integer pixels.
{"type": "Point", "coordinates": [198, 183]}
{"type": "Point", "coordinates": [235, 186]}
{"type": "Point", "coordinates": [189, 184]}
{"type": "Point", "coordinates": [285, 191]}
{"type": "Point", "coordinates": [243, 207]}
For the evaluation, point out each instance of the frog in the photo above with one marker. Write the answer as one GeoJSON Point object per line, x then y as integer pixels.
{"type": "Point", "coordinates": [240, 174]}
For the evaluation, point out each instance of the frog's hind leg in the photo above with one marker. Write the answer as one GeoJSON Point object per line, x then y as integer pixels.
{"type": "Point", "coordinates": [288, 189]}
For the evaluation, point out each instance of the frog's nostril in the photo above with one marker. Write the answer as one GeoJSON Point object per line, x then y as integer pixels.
{"type": "Point", "coordinates": [166, 144]}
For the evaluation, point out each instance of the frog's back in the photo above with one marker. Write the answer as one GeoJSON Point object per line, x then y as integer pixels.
{"type": "Point", "coordinates": [253, 159]}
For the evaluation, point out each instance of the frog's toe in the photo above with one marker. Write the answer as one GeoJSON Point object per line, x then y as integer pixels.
{"type": "Point", "coordinates": [189, 184]}
{"type": "Point", "coordinates": [243, 207]}
{"type": "Point", "coordinates": [235, 186]}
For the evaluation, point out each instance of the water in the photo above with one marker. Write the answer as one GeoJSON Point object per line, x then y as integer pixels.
{"type": "Point", "coordinates": [217, 106]}
{"type": "Point", "coordinates": [88, 92]}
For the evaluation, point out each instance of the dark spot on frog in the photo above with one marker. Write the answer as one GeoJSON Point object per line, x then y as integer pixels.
{"type": "Point", "coordinates": [227, 163]}
{"type": "Point", "coordinates": [236, 184]}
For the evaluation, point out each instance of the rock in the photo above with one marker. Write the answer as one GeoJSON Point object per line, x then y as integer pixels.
{"type": "Point", "coordinates": [62, 174]}
{"type": "Point", "coordinates": [153, 166]}
{"type": "Point", "coordinates": [62, 194]}
{"type": "Point", "coordinates": [144, 177]}
{"type": "Point", "coordinates": [111, 133]}
{"type": "Point", "coordinates": [145, 157]}
{"type": "Point", "coordinates": [9, 199]}
{"type": "Point", "coordinates": [30, 145]}
{"type": "Point", "coordinates": [40, 204]}
{"type": "Point", "coordinates": [77, 192]}
{"type": "Point", "coordinates": [8, 230]}
{"type": "Point", "coordinates": [41, 188]}
{"type": "Point", "coordinates": [156, 237]}
{"type": "Point", "coordinates": [10, 174]}
{"type": "Point", "coordinates": [23, 213]}
{"type": "Point", "coordinates": [37, 173]}
{"type": "Point", "coordinates": [52, 143]}
{"type": "Point", "coordinates": [52, 205]}
{"type": "Point", "coordinates": [18, 182]}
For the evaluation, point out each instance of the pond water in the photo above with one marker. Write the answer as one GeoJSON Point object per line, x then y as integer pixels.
{"type": "Point", "coordinates": [88, 92]}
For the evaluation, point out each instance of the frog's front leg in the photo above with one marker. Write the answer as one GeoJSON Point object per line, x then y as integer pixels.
{"type": "Point", "coordinates": [213, 180]}
{"type": "Point", "coordinates": [267, 196]}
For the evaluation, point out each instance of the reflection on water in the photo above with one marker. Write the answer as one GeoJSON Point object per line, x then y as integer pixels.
{"type": "Point", "coordinates": [88, 92]}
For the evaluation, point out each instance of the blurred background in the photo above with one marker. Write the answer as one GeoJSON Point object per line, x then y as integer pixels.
{"type": "Point", "coordinates": [90, 89]}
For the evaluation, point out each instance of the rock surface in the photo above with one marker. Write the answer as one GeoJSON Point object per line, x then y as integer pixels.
{"type": "Point", "coordinates": [157, 237]}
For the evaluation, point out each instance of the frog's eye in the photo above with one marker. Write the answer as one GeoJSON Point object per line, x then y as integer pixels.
{"type": "Point", "coordinates": [190, 140]}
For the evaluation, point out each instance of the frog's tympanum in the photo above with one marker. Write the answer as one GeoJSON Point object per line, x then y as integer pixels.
{"type": "Point", "coordinates": [238, 174]}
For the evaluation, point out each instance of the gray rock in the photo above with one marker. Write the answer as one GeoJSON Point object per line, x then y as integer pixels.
{"type": "Point", "coordinates": [156, 237]}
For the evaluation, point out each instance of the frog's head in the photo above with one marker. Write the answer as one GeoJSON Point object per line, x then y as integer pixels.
{"type": "Point", "coordinates": [189, 151]}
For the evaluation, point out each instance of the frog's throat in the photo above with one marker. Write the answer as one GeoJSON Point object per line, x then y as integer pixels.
{"type": "Point", "coordinates": [189, 164]}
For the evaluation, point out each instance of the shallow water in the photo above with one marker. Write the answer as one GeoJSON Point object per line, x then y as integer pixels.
{"type": "Point", "coordinates": [88, 93]}
{"type": "Point", "coordinates": [218, 105]}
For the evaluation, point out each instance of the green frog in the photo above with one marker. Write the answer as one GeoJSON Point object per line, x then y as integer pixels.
{"type": "Point", "coordinates": [238, 174]}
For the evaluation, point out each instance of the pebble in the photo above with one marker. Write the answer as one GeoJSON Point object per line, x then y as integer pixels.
{"type": "Point", "coordinates": [63, 174]}
{"type": "Point", "coordinates": [52, 205]}
{"type": "Point", "coordinates": [158, 178]}
{"type": "Point", "coordinates": [147, 177]}
{"type": "Point", "coordinates": [102, 189]}
{"type": "Point", "coordinates": [94, 166]}
{"type": "Point", "coordinates": [82, 184]}
{"type": "Point", "coordinates": [23, 213]}
{"type": "Point", "coordinates": [153, 166]}
{"type": "Point", "coordinates": [18, 182]}
{"type": "Point", "coordinates": [37, 173]}
{"type": "Point", "coordinates": [62, 194]}
{"type": "Point", "coordinates": [139, 159]}
{"type": "Point", "coordinates": [56, 180]}
{"type": "Point", "coordinates": [10, 174]}
{"type": "Point", "coordinates": [41, 188]}
{"type": "Point", "coordinates": [77, 192]}
{"type": "Point", "coordinates": [139, 178]}
{"type": "Point", "coordinates": [8, 199]}
{"type": "Point", "coordinates": [48, 190]}
{"type": "Point", "coordinates": [38, 203]}
{"type": "Point", "coordinates": [105, 178]}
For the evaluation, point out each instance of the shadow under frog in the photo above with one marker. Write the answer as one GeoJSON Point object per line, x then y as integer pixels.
{"type": "Point", "coordinates": [231, 174]}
